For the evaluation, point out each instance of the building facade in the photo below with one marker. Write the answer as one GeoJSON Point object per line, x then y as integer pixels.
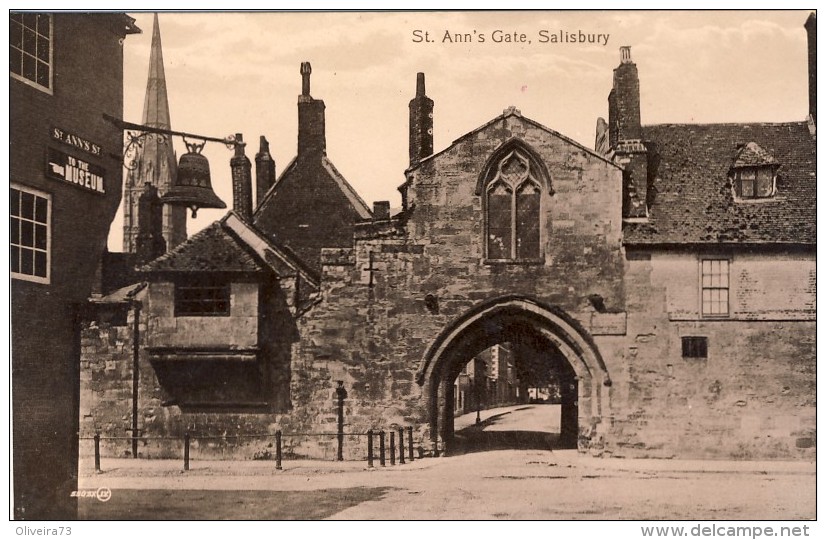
{"type": "Point", "coordinates": [664, 281]}
{"type": "Point", "coordinates": [66, 72]}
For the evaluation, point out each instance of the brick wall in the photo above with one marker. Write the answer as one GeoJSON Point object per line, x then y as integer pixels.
{"type": "Point", "coordinates": [87, 73]}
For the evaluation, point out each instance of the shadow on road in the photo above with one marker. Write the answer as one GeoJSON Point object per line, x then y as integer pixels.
{"type": "Point", "coordinates": [476, 439]}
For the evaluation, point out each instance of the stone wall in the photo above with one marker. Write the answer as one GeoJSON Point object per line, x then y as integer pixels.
{"type": "Point", "coordinates": [386, 300]}
{"type": "Point", "coordinates": [239, 330]}
{"type": "Point", "coordinates": [107, 371]}
{"type": "Point", "coordinates": [753, 397]}
{"type": "Point", "coordinates": [374, 337]}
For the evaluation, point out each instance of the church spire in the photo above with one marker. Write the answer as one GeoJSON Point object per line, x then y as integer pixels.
{"type": "Point", "coordinates": [155, 162]}
{"type": "Point", "coordinates": [156, 104]}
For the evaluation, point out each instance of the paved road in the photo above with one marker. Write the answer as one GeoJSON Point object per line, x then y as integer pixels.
{"type": "Point", "coordinates": [504, 484]}
{"type": "Point", "coordinates": [515, 417]}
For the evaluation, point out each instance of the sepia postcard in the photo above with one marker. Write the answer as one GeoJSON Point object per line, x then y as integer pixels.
{"type": "Point", "coordinates": [414, 265]}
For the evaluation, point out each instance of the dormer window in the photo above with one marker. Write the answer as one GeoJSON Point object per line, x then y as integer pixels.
{"type": "Point", "coordinates": [754, 173]}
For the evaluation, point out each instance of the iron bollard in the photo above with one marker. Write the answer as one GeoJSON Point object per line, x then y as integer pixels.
{"type": "Point", "coordinates": [186, 451]}
{"type": "Point", "coordinates": [381, 448]}
{"type": "Point", "coordinates": [401, 446]}
{"type": "Point", "coordinates": [392, 447]}
{"type": "Point", "coordinates": [341, 395]}
{"type": "Point", "coordinates": [97, 452]}
{"type": "Point", "coordinates": [410, 442]}
{"type": "Point", "coordinates": [370, 448]}
{"type": "Point", "coordinates": [278, 450]}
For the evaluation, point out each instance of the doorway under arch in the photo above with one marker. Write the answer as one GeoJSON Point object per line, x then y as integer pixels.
{"type": "Point", "coordinates": [522, 321]}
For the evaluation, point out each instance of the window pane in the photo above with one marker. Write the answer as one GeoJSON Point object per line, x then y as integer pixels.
{"type": "Point", "coordinates": [29, 67]}
{"type": "Point", "coordinates": [26, 233]}
{"type": "Point", "coordinates": [747, 188]}
{"type": "Point", "coordinates": [40, 236]}
{"type": "Point", "coordinates": [41, 209]}
{"type": "Point", "coordinates": [499, 223]}
{"type": "Point", "coordinates": [15, 61]}
{"type": "Point", "coordinates": [29, 41]}
{"type": "Point", "coordinates": [527, 222]}
{"type": "Point", "coordinates": [15, 34]}
{"type": "Point", "coordinates": [765, 182]}
{"type": "Point", "coordinates": [14, 202]}
{"type": "Point", "coordinates": [27, 205]}
{"type": "Point", "coordinates": [40, 263]}
{"type": "Point", "coordinates": [43, 74]}
{"type": "Point", "coordinates": [42, 48]}
{"type": "Point", "coordinates": [26, 261]}
{"type": "Point", "coordinates": [14, 231]}
{"type": "Point", "coordinates": [14, 258]}
{"type": "Point", "coordinates": [43, 26]}
{"type": "Point", "coordinates": [30, 20]}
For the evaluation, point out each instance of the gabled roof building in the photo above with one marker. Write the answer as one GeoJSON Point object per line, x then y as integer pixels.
{"type": "Point", "coordinates": [667, 278]}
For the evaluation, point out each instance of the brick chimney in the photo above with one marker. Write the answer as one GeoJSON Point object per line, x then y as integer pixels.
{"type": "Point", "coordinates": [149, 243]}
{"type": "Point", "coordinates": [311, 134]}
{"type": "Point", "coordinates": [625, 136]}
{"type": "Point", "coordinates": [624, 101]}
{"type": "Point", "coordinates": [241, 180]}
{"type": "Point", "coordinates": [421, 123]}
{"type": "Point", "coordinates": [811, 32]}
{"type": "Point", "coordinates": [264, 171]}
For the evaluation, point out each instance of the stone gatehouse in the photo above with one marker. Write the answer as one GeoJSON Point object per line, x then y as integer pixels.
{"type": "Point", "coordinates": [668, 274]}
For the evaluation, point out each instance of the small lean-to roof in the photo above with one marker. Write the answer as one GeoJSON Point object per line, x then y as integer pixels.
{"type": "Point", "coordinates": [693, 202]}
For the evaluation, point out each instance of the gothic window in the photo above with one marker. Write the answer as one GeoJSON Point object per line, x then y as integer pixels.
{"type": "Point", "coordinates": [30, 48]}
{"type": "Point", "coordinates": [512, 198]}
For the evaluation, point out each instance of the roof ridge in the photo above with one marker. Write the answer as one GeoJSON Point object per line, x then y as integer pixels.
{"type": "Point", "coordinates": [328, 163]}
{"type": "Point", "coordinates": [669, 124]}
{"type": "Point", "coordinates": [270, 192]}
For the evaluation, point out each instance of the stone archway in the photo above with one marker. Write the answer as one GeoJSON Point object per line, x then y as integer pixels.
{"type": "Point", "coordinates": [504, 319]}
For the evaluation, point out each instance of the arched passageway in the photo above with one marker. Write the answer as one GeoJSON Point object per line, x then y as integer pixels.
{"type": "Point", "coordinates": [529, 326]}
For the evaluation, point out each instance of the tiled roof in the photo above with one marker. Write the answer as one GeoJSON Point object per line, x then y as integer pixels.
{"type": "Point", "coordinates": [752, 155]}
{"type": "Point", "coordinates": [358, 204]}
{"type": "Point", "coordinates": [693, 200]}
{"type": "Point", "coordinates": [214, 249]}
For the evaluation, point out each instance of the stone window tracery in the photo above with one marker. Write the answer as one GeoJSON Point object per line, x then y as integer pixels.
{"type": "Point", "coordinates": [513, 197]}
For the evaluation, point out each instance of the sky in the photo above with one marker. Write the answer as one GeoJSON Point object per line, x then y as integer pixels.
{"type": "Point", "coordinates": [239, 73]}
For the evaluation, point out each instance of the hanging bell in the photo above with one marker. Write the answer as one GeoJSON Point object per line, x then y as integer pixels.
{"type": "Point", "coordinates": [192, 186]}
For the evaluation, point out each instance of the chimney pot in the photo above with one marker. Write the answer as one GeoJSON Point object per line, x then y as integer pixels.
{"type": "Point", "coordinates": [239, 144]}
{"type": "Point", "coordinates": [305, 70]}
{"type": "Point", "coordinates": [264, 171]}
{"type": "Point", "coordinates": [312, 140]}
{"type": "Point", "coordinates": [625, 54]}
{"type": "Point", "coordinates": [420, 84]}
